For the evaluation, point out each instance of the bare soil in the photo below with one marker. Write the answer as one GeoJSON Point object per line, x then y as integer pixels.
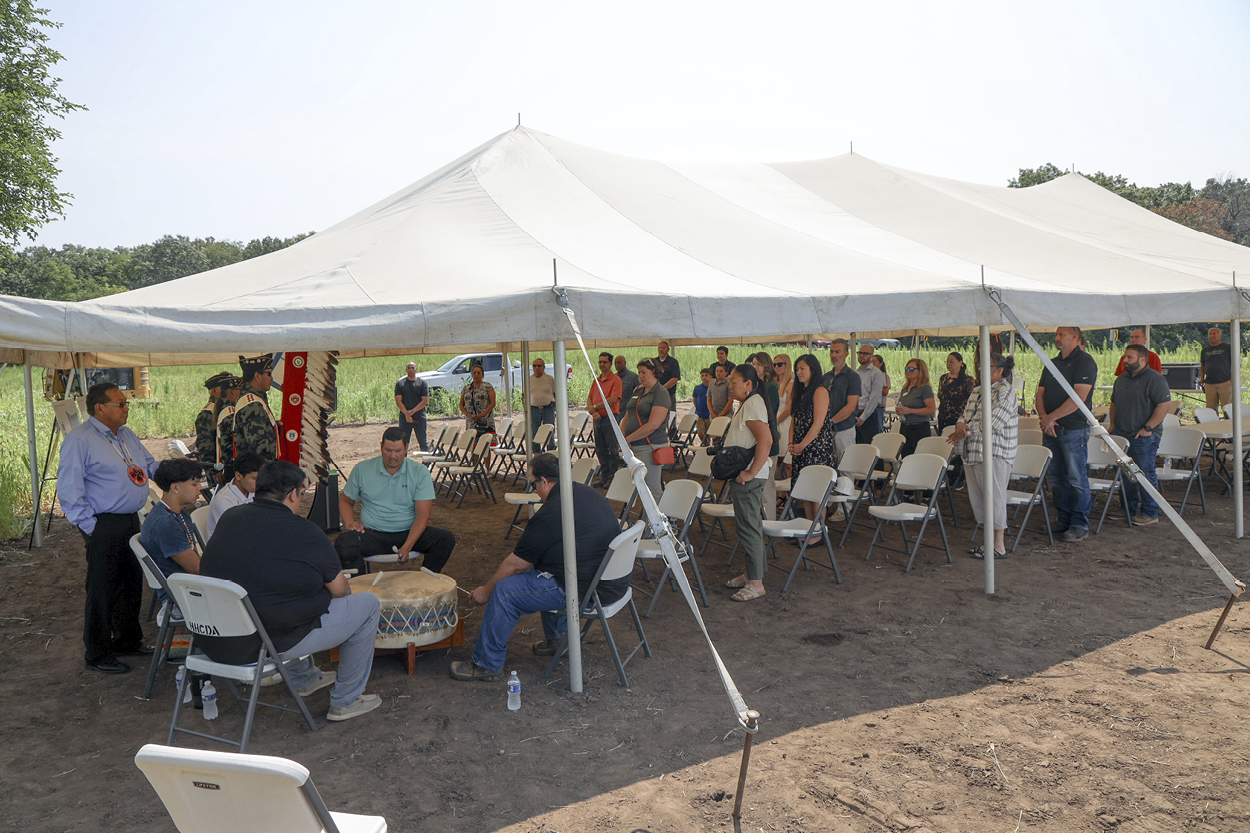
{"type": "Point", "coordinates": [1077, 698]}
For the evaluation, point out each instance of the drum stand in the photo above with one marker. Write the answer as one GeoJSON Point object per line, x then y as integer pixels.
{"type": "Point", "coordinates": [409, 653]}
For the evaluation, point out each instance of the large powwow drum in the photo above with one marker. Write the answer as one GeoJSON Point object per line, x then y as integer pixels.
{"type": "Point", "coordinates": [417, 609]}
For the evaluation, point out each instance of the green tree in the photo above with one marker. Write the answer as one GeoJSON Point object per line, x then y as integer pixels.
{"type": "Point", "coordinates": [1235, 196]}
{"type": "Point", "coordinates": [171, 257]}
{"type": "Point", "coordinates": [28, 99]}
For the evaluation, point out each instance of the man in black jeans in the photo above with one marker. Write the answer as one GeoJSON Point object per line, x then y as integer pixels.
{"type": "Point", "coordinates": [412, 396]}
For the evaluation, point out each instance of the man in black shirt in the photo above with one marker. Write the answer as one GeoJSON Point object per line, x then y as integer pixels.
{"type": "Point", "coordinates": [670, 370]}
{"type": "Point", "coordinates": [292, 575]}
{"type": "Point", "coordinates": [1216, 373]}
{"type": "Point", "coordinates": [722, 359]}
{"type": "Point", "coordinates": [1139, 402]}
{"type": "Point", "coordinates": [1066, 432]}
{"type": "Point", "coordinates": [629, 384]}
{"type": "Point", "coordinates": [412, 396]}
{"type": "Point", "coordinates": [845, 388]}
{"type": "Point", "coordinates": [531, 579]}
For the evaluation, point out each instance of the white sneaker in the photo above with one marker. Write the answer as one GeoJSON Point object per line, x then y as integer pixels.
{"type": "Point", "coordinates": [327, 678]}
{"type": "Point", "coordinates": [364, 703]}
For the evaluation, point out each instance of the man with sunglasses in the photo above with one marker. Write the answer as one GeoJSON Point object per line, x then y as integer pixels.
{"type": "Point", "coordinates": [255, 428]}
{"type": "Point", "coordinates": [542, 399]}
{"type": "Point", "coordinates": [871, 409]}
{"type": "Point", "coordinates": [604, 408]}
{"type": "Point", "coordinates": [102, 483]}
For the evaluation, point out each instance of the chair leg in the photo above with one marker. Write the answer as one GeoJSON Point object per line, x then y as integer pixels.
{"type": "Point", "coordinates": [875, 535]}
{"type": "Point", "coordinates": [512, 525]}
{"type": "Point", "coordinates": [182, 692]}
{"type": "Point", "coordinates": [646, 646]}
{"type": "Point", "coordinates": [161, 656]}
{"type": "Point", "coordinates": [833, 561]}
{"type": "Point", "coordinates": [698, 577]}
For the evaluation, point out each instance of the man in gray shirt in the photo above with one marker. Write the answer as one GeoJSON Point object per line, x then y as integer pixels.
{"type": "Point", "coordinates": [870, 420]}
{"type": "Point", "coordinates": [629, 384]}
{"type": "Point", "coordinates": [1139, 401]}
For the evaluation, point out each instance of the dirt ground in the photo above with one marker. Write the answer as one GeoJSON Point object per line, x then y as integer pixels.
{"type": "Point", "coordinates": [1077, 698]}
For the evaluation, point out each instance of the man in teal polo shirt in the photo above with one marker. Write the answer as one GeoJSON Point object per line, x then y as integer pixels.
{"type": "Point", "coordinates": [395, 495]}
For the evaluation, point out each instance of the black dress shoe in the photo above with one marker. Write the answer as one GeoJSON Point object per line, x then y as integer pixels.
{"type": "Point", "coordinates": [108, 665]}
{"type": "Point", "coordinates": [139, 651]}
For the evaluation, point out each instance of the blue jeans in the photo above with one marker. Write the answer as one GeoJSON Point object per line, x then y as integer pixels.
{"type": "Point", "coordinates": [538, 416]}
{"type": "Point", "coordinates": [514, 597]}
{"type": "Point", "coordinates": [1069, 476]}
{"type": "Point", "coordinates": [1143, 450]}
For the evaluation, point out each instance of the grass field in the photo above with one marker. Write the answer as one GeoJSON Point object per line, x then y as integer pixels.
{"type": "Point", "coordinates": [366, 394]}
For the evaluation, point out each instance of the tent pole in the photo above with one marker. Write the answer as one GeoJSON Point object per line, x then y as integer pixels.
{"type": "Point", "coordinates": [526, 440]}
{"type": "Point", "coordinates": [36, 486]}
{"type": "Point", "coordinates": [565, 446]}
{"type": "Point", "coordinates": [987, 463]}
{"type": "Point", "coordinates": [1239, 520]}
{"type": "Point", "coordinates": [915, 344]}
{"type": "Point", "coordinates": [1011, 342]}
{"type": "Point", "coordinates": [507, 374]}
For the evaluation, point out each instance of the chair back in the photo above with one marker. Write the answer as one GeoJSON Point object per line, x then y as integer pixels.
{"type": "Point", "coordinates": [436, 442]}
{"type": "Point", "coordinates": [451, 434]}
{"type": "Point", "coordinates": [680, 498]}
{"type": "Point", "coordinates": [1030, 423]}
{"type": "Point", "coordinates": [948, 430]}
{"type": "Point", "coordinates": [621, 489]}
{"type": "Point", "coordinates": [813, 484]}
{"type": "Point", "coordinates": [700, 464]}
{"type": "Point", "coordinates": [207, 790]}
{"type": "Point", "coordinates": [858, 460]}
{"type": "Point", "coordinates": [543, 435]}
{"type": "Point", "coordinates": [177, 448]}
{"type": "Point", "coordinates": [155, 578]}
{"type": "Point", "coordinates": [619, 560]}
{"type": "Point", "coordinates": [888, 444]}
{"type": "Point", "coordinates": [199, 517]}
{"type": "Point", "coordinates": [503, 430]}
{"type": "Point", "coordinates": [1202, 415]}
{"type": "Point", "coordinates": [1030, 436]}
{"type": "Point", "coordinates": [1099, 455]}
{"type": "Point", "coordinates": [577, 425]}
{"type": "Point", "coordinates": [935, 445]}
{"type": "Point", "coordinates": [212, 606]}
{"type": "Point", "coordinates": [1171, 421]}
{"type": "Point", "coordinates": [718, 426]}
{"type": "Point", "coordinates": [1181, 442]}
{"type": "Point", "coordinates": [1030, 462]}
{"type": "Point", "coordinates": [919, 471]}
{"type": "Point", "coordinates": [583, 468]}
{"type": "Point", "coordinates": [687, 423]}
{"type": "Point", "coordinates": [464, 441]}
{"type": "Point", "coordinates": [482, 444]}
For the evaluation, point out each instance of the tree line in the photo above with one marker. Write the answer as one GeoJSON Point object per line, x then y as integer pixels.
{"type": "Point", "coordinates": [77, 273]}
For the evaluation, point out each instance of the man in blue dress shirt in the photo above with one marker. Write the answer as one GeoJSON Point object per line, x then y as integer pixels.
{"type": "Point", "coordinates": [102, 482]}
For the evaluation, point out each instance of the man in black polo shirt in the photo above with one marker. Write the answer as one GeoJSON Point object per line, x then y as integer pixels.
{"type": "Point", "coordinates": [722, 359]}
{"type": "Point", "coordinates": [1139, 402]}
{"type": "Point", "coordinates": [1066, 432]}
{"type": "Point", "coordinates": [845, 388]}
{"type": "Point", "coordinates": [531, 579]}
{"type": "Point", "coordinates": [1216, 370]}
{"type": "Point", "coordinates": [670, 370]}
{"type": "Point", "coordinates": [412, 395]}
{"type": "Point", "coordinates": [292, 575]}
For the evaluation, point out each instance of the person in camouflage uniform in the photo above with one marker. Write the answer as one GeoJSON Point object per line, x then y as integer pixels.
{"type": "Point", "coordinates": [230, 390]}
{"type": "Point", "coordinates": [255, 428]}
{"type": "Point", "coordinates": [206, 420]}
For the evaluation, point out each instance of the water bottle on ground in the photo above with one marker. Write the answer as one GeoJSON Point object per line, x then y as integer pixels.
{"type": "Point", "coordinates": [209, 695]}
{"type": "Point", "coordinates": [186, 695]}
{"type": "Point", "coordinates": [514, 692]}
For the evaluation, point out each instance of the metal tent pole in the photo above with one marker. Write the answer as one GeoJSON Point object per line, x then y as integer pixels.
{"type": "Point", "coordinates": [565, 446]}
{"type": "Point", "coordinates": [506, 367]}
{"type": "Point", "coordinates": [36, 487]}
{"type": "Point", "coordinates": [1239, 520]}
{"type": "Point", "coordinates": [987, 463]}
{"type": "Point", "coordinates": [525, 403]}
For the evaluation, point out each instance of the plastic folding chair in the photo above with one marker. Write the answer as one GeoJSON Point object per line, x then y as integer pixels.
{"type": "Point", "coordinates": [1029, 436]}
{"type": "Point", "coordinates": [859, 462]}
{"type": "Point", "coordinates": [177, 448]}
{"type": "Point", "coordinates": [621, 490]}
{"type": "Point", "coordinates": [207, 791]}
{"type": "Point", "coordinates": [1173, 421]}
{"type": "Point", "coordinates": [222, 608]}
{"type": "Point", "coordinates": [1029, 423]}
{"type": "Point", "coordinates": [617, 563]}
{"type": "Point", "coordinates": [167, 617]}
{"type": "Point", "coordinates": [457, 455]}
{"type": "Point", "coordinates": [1185, 445]}
{"type": "Point", "coordinates": [943, 449]}
{"type": "Point", "coordinates": [199, 519]}
{"type": "Point", "coordinates": [582, 444]}
{"type": "Point", "coordinates": [1102, 460]}
{"type": "Point", "coordinates": [918, 473]}
{"type": "Point", "coordinates": [815, 484]}
{"type": "Point", "coordinates": [717, 427]}
{"type": "Point", "coordinates": [685, 431]}
{"type": "Point", "coordinates": [436, 443]}
{"type": "Point", "coordinates": [512, 463]}
{"type": "Point", "coordinates": [1031, 464]}
{"type": "Point", "coordinates": [473, 474]}
{"type": "Point", "coordinates": [680, 503]}
{"type": "Point", "coordinates": [1202, 415]}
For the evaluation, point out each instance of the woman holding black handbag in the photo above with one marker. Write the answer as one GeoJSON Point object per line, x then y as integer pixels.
{"type": "Point", "coordinates": [754, 426]}
{"type": "Point", "coordinates": [646, 423]}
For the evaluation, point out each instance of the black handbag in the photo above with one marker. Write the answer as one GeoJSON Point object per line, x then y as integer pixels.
{"type": "Point", "coordinates": [729, 461]}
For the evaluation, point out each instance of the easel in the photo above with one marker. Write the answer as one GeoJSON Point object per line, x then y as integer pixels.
{"type": "Point", "coordinates": [68, 414]}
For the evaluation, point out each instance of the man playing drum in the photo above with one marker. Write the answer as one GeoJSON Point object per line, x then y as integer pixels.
{"type": "Point", "coordinates": [395, 495]}
{"type": "Point", "coordinates": [531, 579]}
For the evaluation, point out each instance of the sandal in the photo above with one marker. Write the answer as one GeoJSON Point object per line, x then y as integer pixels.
{"type": "Point", "coordinates": [979, 554]}
{"type": "Point", "coordinates": [739, 581]}
{"type": "Point", "coordinates": [747, 593]}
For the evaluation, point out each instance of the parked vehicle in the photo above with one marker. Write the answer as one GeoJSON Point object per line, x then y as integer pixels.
{"type": "Point", "coordinates": [454, 374]}
{"type": "Point", "coordinates": [880, 342]}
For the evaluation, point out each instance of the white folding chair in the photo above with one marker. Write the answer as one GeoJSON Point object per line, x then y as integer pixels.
{"type": "Point", "coordinates": [679, 502]}
{"type": "Point", "coordinates": [918, 473]}
{"type": "Point", "coordinates": [621, 490]}
{"type": "Point", "coordinates": [513, 462]}
{"type": "Point", "coordinates": [859, 462]}
{"type": "Point", "coordinates": [1030, 436]}
{"type": "Point", "coordinates": [717, 427]}
{"type": "Point", "coordinates": [436, 444]}
{"type": "Point", "coordinates": [1172, 421]}
{"type": "Point", "coordinates": [503, 433]}
{"type": "Point", "coordinates": [1202, 415]}
{"type": "Point", "coordinates": [1029, 423]}
{"type": "Point", "coordinates": [685, 436]}
{"type": "Point", "coordinates": [1031, 464]}
{"type": "Point", "coordinates": [473, 474]}
{"type": "Point", "coordinates": [1101, 460]}
{"type": "Point", "coordinates": [207, 791]}
{"type": "Point", "coordinates": [199, 520]}
{"type": "Point", "coordinates": [222, 608]}
{"type": "Point", "coordinates": [815, 484]}
{"type": "Point", "coordinates": [582, 444]}
{"type": "Point", "coordinates": [889, 445]}
{"type": "Point", "coordinates": [178, 449]}
{"type": "Point", "coordinates": [1184, 445]}
{"type": "Point", "coordinates": [584, 469]}
{"type": "Point", "coordinates": [943, 449]}
{"type": "Point", "coordinates": [167, 617]}
{"type": "Point", "coordinates": [617, 563]}
{"type": "Point", "coordinates": [457, 455]}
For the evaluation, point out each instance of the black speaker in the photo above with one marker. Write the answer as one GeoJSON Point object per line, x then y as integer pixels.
{"type": "Point", "coordinates": [325, 505]}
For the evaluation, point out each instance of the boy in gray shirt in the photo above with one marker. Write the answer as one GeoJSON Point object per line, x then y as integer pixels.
{"type": "Point", "coordinates": [718, 401]}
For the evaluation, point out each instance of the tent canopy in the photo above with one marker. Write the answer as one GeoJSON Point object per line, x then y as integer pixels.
{"type": "Point", "coordinates": [689, 252]}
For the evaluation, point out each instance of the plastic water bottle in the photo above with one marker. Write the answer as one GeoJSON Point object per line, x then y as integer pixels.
{"type": "Point", "coordinates": [209, 695]}
{"type": "Point", "coordinates": [186, 695]}
{"type": "Point", "coordinates": [514, 692]}
{"type": "Point", "coordinates": [1167, 463]}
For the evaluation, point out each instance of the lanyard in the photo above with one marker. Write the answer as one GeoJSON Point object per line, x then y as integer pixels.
{"type": "Point", "coordinates": [137, 475]}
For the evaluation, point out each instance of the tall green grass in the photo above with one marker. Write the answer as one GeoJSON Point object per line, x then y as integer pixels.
{"type": "Point", "coordinates": [366, 393]}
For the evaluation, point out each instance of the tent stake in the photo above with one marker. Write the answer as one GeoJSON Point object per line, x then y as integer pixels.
{"type": "Point", "coordinates": [751, 725]}
{"type": "Point", "coordinates": [1232, 598]}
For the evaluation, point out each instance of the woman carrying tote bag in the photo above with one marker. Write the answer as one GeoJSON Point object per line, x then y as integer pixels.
{"type": "Point", "coordinates": [753, 426]}
{"type": "Point", "coordinates": [646, 423]}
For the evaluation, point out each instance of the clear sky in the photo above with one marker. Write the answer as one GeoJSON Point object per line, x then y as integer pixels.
{"type": "Point", "coordinates": [244, 119]}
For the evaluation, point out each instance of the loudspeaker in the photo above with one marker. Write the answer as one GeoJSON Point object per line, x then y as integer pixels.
{"type": "Point", "coordinates": [325, 505]}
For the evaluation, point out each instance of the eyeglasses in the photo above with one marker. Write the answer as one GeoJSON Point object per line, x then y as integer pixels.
{"type": "Point", "coordinates": [863, 353]}
{"type": "Point", "coordinates": [125, 403]}
{"type": "Point", "coordinates": [779, 364]}
{"type": "Point", "coordinates": [539, 365]}
{"type": "Point", "coordinates": [911, 369]}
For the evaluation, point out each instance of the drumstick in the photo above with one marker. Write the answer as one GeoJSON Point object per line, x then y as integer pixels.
{"type": "Point", "coordinates": [428, 571]}
{"type": "Point", "coordinates": [376, 580]}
